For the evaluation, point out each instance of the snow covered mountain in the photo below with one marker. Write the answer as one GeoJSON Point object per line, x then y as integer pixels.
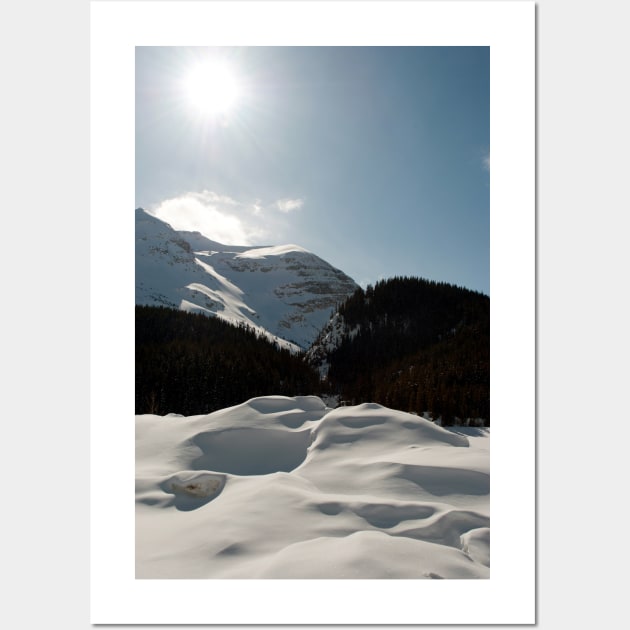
{"type": "Point", "coordinates": [284, 292]}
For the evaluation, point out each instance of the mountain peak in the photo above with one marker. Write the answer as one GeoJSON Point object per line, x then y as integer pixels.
{"type": "Point", "coordinates": [284, 292]}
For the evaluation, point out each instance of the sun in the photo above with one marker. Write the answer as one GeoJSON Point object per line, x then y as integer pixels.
{"type": "Point", "coordinates": [211, 88]}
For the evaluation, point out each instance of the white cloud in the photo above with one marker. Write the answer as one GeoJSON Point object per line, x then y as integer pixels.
{"type": "Point", "coordinates": [209, 196]}
{"type": "Point", "coordinates": [215, 216]}
{"type": "Point", "coordinates": [228, 220]}
{"type": "Point", "coordinates": [288, 205]}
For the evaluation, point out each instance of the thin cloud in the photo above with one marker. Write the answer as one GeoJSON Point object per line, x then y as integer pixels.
{"type": "Point", "coordinates": [289, 205]}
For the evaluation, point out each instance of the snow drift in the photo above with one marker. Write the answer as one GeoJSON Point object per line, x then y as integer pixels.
{"type": "Point", "coordinates": [283, 487]}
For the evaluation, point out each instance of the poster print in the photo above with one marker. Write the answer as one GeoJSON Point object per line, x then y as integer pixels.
{"type": "Point", "coordinates": [279, 200]}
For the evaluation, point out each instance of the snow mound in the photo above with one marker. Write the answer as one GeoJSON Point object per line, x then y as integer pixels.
{"type": "Point", "coordinates": [476, 543]}
{"type": "Point", "coordinates": [369, 421]}
{"type": "Point", "coordinates": [279, 404]}
{"type": "Point", "coordinates": [281, 487]}
{"type": "Point", "coordinates": [369, 554]}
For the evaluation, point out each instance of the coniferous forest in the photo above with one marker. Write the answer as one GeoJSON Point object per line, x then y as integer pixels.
{"type": "Point", "coordinates": [192, 364]}
{"type": "Point", "coordinates": [416, 345]}
{"type": "Point", "coordinates": [419, 346]}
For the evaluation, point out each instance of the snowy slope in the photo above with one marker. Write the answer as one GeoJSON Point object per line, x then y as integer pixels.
{"type": "Point", "coordinates": [285, 292]}
{"type": "Point", "coordinates": [329, 339]}
{"type": "Point", "coordinates": [283, 487]}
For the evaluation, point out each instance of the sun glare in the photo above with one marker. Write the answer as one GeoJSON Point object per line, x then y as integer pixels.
{"type": "Point", "coordinates": [211, 88]}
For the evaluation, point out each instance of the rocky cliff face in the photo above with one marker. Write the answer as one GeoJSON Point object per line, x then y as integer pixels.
{"type": "Point", "coordinates": [285, 292]}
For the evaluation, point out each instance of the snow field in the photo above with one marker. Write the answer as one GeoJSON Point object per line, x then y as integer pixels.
{"type": "Point", "coordinates": [282, 487]}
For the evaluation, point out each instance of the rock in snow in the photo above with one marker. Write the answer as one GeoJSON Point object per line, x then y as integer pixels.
{"type": "Point", "coordinates": [282, 487]}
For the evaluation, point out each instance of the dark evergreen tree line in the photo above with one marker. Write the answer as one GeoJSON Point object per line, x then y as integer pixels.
{"type": "Point", "coordinates": [421, 346]}
{"type": "Point", "coordinates": [190, 364]}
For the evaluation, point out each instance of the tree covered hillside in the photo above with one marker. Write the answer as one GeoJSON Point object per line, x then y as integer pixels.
{"type": "Point", "coordinates": [192, 364]}
{"type": "Point", "coordinates": [415, 345]}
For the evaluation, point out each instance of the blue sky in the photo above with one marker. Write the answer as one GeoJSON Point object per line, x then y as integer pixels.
{"type": "Point", "coordinates": [376, 159]}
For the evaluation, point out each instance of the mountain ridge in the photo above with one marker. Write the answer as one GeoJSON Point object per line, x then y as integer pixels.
{"type": "Point", "coordinates": [283, 292]}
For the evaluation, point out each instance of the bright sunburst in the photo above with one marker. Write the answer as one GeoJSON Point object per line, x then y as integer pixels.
{"type": "Point", "coordinates": [211, 88]}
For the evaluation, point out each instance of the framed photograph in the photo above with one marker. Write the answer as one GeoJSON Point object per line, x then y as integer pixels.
{"type": "Point", "coordinates": [310, 295]}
